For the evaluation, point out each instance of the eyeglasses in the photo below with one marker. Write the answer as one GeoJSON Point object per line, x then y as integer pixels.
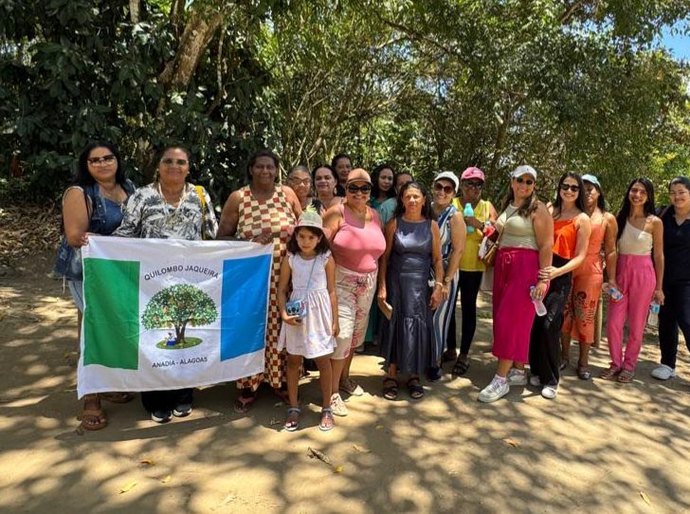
{"type": "Point", "coordinates": [573, 187]}
{"type": "Point", "coordinates": [527, 181]}
{"type": "Point", "coordinates": [98, 161]}
{"type": "Point", "coordinates": [169, 161]}
{"type": "Point", "coordinates": [366, 188]}
{"type": "Point", "coordinates": [449, 190]}
{"type": "Point", "coordinates": [476, 185]}
{"type": "Point", "coordinates": [298, 182]}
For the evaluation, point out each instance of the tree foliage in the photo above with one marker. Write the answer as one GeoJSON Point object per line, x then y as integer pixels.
{"type": "Point", "coordinates": [178, 306]}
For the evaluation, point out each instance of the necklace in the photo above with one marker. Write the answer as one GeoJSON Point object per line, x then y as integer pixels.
{"type": "Point", "coordinates": [176, 204]}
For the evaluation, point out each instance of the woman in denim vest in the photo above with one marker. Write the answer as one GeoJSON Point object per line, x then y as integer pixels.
{"type": "Point", "coordinates": [92, 205]}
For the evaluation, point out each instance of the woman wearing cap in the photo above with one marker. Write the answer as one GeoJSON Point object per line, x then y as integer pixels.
{"type": "Point", "coordinates": [471, 267]}
{"type": "Point", "coordinates": [263, 212]}
{"type": "Point", "coordinates": [571, 230]}
{"type": "Point", "coordinates": [675, 312]}
{"type": "Point", "coordinates": [413, 251]}
{"type": "Point", "coordinates": [581, 308]}
{"type": "Point", "coordinates": [325, 183]}
{"type": "Point", "coordinates": [525, 240]}
{"type": "Point", "coordinates": [357, 242]}
{"type": "Point", "coordinates": [300, 181]}
{"type": "Point", "coordinates": [170, 208]}
{"type": "Point", "coordinates": [639, 274]}
{"type": "Point", "coordinates": [452, 233]}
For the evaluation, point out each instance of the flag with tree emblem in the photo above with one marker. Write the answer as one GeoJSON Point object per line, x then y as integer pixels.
{"type": "Point", "coordinates": [166, 314]}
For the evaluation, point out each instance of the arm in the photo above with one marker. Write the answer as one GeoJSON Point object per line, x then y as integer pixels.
{"type": "Point", "coordinates": [210, 225]}
{"type": "Point", "coordinates": [229, 217]}
{"type": "Point", "coordinates": [493, 215]}
{"type": "Point", "coordinates": [331, 221]}
{"type": "Point", "coordinates": [437, 263]}
{"type": "Point", "coordinates": [75, 217]}
{"type": "Point", "coordinates": [131, 218]}
{"type": "Point", "coordinates": [610, 252]}
{"type": "Point", "coordinates": [658, 255]}
{"type": "Point", "coordinates": [330, 280]}
{"type": "Point", "coordinates": [294, 201]}
{"type": "Point", "coordinates": [584, 230]}
{"type": "Point", "coordinates": [543, 232]}
{"type": "Point", "coordinates": [283, 283]}
{"type": "Point", "coordinates": [458, 234]}
{"type": "Point", "coordinates": [389, 232]}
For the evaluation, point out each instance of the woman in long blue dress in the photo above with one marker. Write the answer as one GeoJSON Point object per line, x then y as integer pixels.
{"type": "Point", "coordinates": [413, 250]}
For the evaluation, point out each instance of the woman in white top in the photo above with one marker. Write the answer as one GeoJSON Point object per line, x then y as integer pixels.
{"type": "Point", "coordinates": [638, 275]}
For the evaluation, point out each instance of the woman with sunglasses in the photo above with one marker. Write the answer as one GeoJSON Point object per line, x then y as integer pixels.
{"type": "Point", "coordinates": [525, 239]}
{"type": "Point", "coordinates": [169, 208]}
{"type": "Point", "coordinates": [571, 231]}
{"type": "Point", "coordinates": [639, 273]}
{"type": "Point", "coordinates": [452, 233]}
{"type": "Point", "coordinates": [583, 302]}
{"type": "Point", "coordinates": [92, 205]}
{"type": "Point", "coordinates": [471, 267]}
{"type": "Point", "coordinates": [413, 251]}
{"type": "Point", "coordinates": [357, 242]}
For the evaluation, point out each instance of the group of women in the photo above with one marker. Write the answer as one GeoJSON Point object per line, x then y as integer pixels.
{"type": "Point", "coordinates": [414, 252]}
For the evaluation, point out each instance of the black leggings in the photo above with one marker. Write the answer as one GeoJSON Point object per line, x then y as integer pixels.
{"type": "Point", "coordinates": [469, 289]}
{"type": "Point", "coordinates": [674, 314]}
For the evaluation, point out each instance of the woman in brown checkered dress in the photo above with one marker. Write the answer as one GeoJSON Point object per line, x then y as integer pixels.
{"type": "Point", "coordinates": [263, 212]}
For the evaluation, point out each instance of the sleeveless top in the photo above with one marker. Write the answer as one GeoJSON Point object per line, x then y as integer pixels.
{"type": "Point", "coordinates": [634, 241]}
{"type": "Point", "coordinates": [412, 247]}
{"type": "Point", "coordinates": [358, 247]}
{"type": "Point", "coordinates": [565, 238]}
{"type": "Point", "coordinates": [470, 260]}
{"type": "Point", "coordinates": [518, 231]}
{"type": "Point", "coordinates": [443, 221]}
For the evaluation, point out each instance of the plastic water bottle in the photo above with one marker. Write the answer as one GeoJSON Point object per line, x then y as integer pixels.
{"type": "Point", "coordinates": [653, 317]}
{"type": "Point", "coordinates": [615, 294]}
{"type": "Point", "coordinates": [539, 306]}
{"type": "Point", "coordinates": [468, 212]}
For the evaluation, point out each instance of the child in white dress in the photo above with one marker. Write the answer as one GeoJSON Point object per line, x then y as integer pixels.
{"type": "Point", "coordinates": [309, 334]}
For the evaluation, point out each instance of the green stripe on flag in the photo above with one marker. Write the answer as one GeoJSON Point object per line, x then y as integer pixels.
{"type": "Point", "coordinates": [111, 316]}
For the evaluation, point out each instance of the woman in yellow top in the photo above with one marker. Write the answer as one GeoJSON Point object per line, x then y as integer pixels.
{"type": "Point", "coordinates": [471, 268]}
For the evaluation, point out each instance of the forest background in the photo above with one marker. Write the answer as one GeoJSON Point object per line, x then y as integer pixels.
{"type": "Point", "coordinates": [425, 85]}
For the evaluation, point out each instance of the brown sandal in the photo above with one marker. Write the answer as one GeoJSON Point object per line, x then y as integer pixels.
{"type": "Point", "coordinates": [245, 400]}
{"type": "Point", "coordinates": [93, 419]}
{"type": "Point", "coordinates": [610, 374]}
{"type": "Point", "coordinates": [117, 397]}
{"type": "Point", "coordinates": [625, 376]}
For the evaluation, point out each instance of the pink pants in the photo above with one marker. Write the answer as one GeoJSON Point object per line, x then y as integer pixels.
{"type": "Point", "coordinates": [637, 281]}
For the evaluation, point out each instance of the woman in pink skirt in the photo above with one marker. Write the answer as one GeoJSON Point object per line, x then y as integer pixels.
{"type": "Point", "coordinates": [638, 275]}
{"type": "Point", "coordinates": [526, 236]}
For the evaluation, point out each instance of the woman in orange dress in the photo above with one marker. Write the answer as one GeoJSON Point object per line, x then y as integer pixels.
{"type": "Point", "coordinates": [581, 308]}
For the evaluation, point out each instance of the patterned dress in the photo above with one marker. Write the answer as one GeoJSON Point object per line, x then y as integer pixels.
{"type": "Point", "coordinates": [256, 217]}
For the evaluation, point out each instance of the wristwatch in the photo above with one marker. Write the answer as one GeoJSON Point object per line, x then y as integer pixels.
{"type": "Point", "coordinates": [447, 280]}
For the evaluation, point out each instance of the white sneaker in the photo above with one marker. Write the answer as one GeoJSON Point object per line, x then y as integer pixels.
{"type": "Point", "coordinates": [534, 380]}
{"type": "Point", "coordinates": [549, 392]}
{"type": "Point", "coordinates": [496, 390]}
{"type": "Point", "coordinates": [338, 405]}
{"type": "Point", "coordinates": [351, 387]}
{"type": "Point", "coordinates": [517, 377]}
{"type": "Point", "coordinates": [663, 372]}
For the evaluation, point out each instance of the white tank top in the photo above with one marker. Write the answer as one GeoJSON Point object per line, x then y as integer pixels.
{"type": "Point", "coordinates": [634, 241]}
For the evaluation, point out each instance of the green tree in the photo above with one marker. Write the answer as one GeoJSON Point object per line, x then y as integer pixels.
{"type": "Point", "coordinates": [178, 306]}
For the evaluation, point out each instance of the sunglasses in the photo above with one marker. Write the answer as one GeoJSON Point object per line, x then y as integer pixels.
{"type": "Point", "coordinates": [169, 161]}
{"type": "Point", "coordinates": [527, 181]}
{"type": "Point", "coordinates": [366, 188]}
{"type": "Point", "coordinates": [449, 190]}
{"type": "Point", "coordinates": [573, 187]}
{"type": "Point", "coordinates": [476, 185]}
{"type": "Point", "coordinates": [106, 159]}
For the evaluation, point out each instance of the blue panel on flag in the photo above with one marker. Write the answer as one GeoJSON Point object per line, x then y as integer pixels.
{"type": "Point", "coordinates": [244, 300]}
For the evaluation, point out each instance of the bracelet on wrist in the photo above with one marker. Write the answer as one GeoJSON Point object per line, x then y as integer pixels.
{"type": "Point", "coordinates": [439, 283]}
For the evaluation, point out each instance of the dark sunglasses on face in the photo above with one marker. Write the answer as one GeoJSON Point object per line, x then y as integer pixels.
{"type": "Point", "coordinates": [573, 187]}
{"type": "Point", "coordinates": [168, 161]}
{"type": "Point", "coordinates": [366, 188]}
{"type": "Point", "coordinates": [449, 190]}
{"type": "Point", "coordinates": [106, 159]}
{"type": "Point", "coordinates": [527, 181]}
{"type": "Point", "coordinates": [476, 185]}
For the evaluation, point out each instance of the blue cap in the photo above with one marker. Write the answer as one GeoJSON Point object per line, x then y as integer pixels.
{"type": "Point", "coordinates": [591, 179]}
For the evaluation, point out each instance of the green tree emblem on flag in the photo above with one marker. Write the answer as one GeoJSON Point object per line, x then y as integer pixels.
{"type": "Point", "coordinates": [179, 306]}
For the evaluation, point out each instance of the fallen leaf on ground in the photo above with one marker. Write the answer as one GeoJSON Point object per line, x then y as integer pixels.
{"type": "Point", "coordinates": [360, 449]}
{"type": "Point", "coordinates": [166, 479]}
{"type": "Point", "coordinates": [645, 498]}
{"type": "Point", "coordinates": [146, 462]}
{"type": "Point", "coordinates": [338, 469]}
{"type": "Point", "coordinates": [379, 427]}
{"type": "Point", "coordinates": [318, 455]}
{"type": "Point", "coordinates": [511, 442]}
{"type": "Point", "coordinates": [128, 487]}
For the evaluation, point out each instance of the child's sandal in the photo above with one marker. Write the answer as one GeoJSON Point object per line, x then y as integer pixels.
{"type": "Point", "coordinates": [327, 422]}
{"type": "Point", "coordinates": [292, 421]}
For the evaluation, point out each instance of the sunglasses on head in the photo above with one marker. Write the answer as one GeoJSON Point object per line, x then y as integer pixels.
{"type": "Point", "coordinates": [573, 187]}
{"type": "Point", "coordinates": [168, 161]}
{"type": "Point", "coordinates": [449, 190]}
{"type": "Point", "coordinates": [474, 184]}
{"type": "Point", "coordinates": [366, 188]}
{"type": "Point", "coordinates": [527, 181]}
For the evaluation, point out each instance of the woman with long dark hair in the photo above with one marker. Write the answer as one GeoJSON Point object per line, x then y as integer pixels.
{"type": "Point", "coordinates": [639, 274]}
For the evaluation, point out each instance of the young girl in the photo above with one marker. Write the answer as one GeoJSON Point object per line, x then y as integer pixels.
{"type": "Point", "coordinates": [310, 334]}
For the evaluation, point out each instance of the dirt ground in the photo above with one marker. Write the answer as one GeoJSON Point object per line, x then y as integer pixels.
{"type": "Point", "coordinates": [599, 446]}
